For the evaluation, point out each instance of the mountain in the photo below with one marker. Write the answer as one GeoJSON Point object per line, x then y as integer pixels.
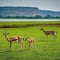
{"type": "Point", "coordinates": [26, 11]}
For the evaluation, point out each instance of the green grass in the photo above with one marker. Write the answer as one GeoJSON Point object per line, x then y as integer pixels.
{"type": "Point", "coordinates": [21, 24]}
{"type": "Point", "coordinates": [44, 49]}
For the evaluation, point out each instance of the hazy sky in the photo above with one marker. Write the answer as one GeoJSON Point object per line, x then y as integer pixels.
{"type": "Point", "coordinates": [53, 5]}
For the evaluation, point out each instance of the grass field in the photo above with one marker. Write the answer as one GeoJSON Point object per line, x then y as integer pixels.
{"type": "Point", "coordinates": [44, 49]}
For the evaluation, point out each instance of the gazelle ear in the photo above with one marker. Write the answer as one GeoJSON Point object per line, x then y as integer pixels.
{"type": "Point", "coordinates": [3, 33]}
{"type": "Point", "coordinates": [8, 33]}
{"type": "Point", "coordinates": [26, 38]}
{"type": "Point", "coordinates": [41, 28]}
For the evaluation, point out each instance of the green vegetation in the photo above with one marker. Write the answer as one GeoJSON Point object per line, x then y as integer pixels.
{"type": "Point", "coordinates": [30, 17]}
{"type": "Point", "coordinates": [44, 49]}
{"type": "Point", "coordinates": [27, 24]}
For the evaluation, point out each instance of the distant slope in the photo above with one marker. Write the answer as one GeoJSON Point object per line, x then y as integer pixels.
{"type": "Point", "coordinates": [25, 11]}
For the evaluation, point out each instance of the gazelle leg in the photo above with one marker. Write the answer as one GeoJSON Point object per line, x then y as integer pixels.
{"type": "Point", "coordinates": [33, 45]}
{"type": "Point", "coordinates": [47, 37]}
{"type": "Point", "coordinates": [21, 43]}
{"type": "Point", "coordinates": [10, 46]}
{"type": "Point", "coordinates": [29, 45]}
{"type": "Point", "coordinates": [54, 35]}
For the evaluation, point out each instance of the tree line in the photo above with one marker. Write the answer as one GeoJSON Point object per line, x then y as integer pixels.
{"type": "Point", "coordinates": [30, 17]}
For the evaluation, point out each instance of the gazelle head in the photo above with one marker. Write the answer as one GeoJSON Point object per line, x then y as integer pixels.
{"type": "Point", "coordinates": [41, 29]}
{"type": "Point", "coordinates": [5, 34]}
{"type": "Point", "coordinates": [26, 38]}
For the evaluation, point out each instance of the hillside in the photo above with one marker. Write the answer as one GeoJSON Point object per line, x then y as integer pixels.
{"type": "Point", "coordinates": [26, 11]}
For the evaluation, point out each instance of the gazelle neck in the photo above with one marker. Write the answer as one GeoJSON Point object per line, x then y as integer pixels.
{"type": "Point", "coordinates": [26, 39]}
{"type": "Point", "coordinates": [7, 37]}
{"type": "Point", "coordinates": [43, 30]}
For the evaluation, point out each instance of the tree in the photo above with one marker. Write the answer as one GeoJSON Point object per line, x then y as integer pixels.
{"type": "Point", "coordinates": [38, 17]}
{"type": "Point", "coordinates": [48, 16]}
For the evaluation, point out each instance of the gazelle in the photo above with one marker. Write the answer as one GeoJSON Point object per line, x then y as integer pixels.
{"type": "Point", "coordinates": [49, 32]}
{"type": "Point", "coordinates": [30, 41]}
{"type": "Point", "coordinates": [13, 38]}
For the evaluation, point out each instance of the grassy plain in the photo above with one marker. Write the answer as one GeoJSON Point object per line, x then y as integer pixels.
{"type": "Point", "coordinates": [44, 49]}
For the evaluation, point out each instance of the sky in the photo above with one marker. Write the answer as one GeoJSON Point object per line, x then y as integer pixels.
{"type": "Point", "coordinates": [52, 5]}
